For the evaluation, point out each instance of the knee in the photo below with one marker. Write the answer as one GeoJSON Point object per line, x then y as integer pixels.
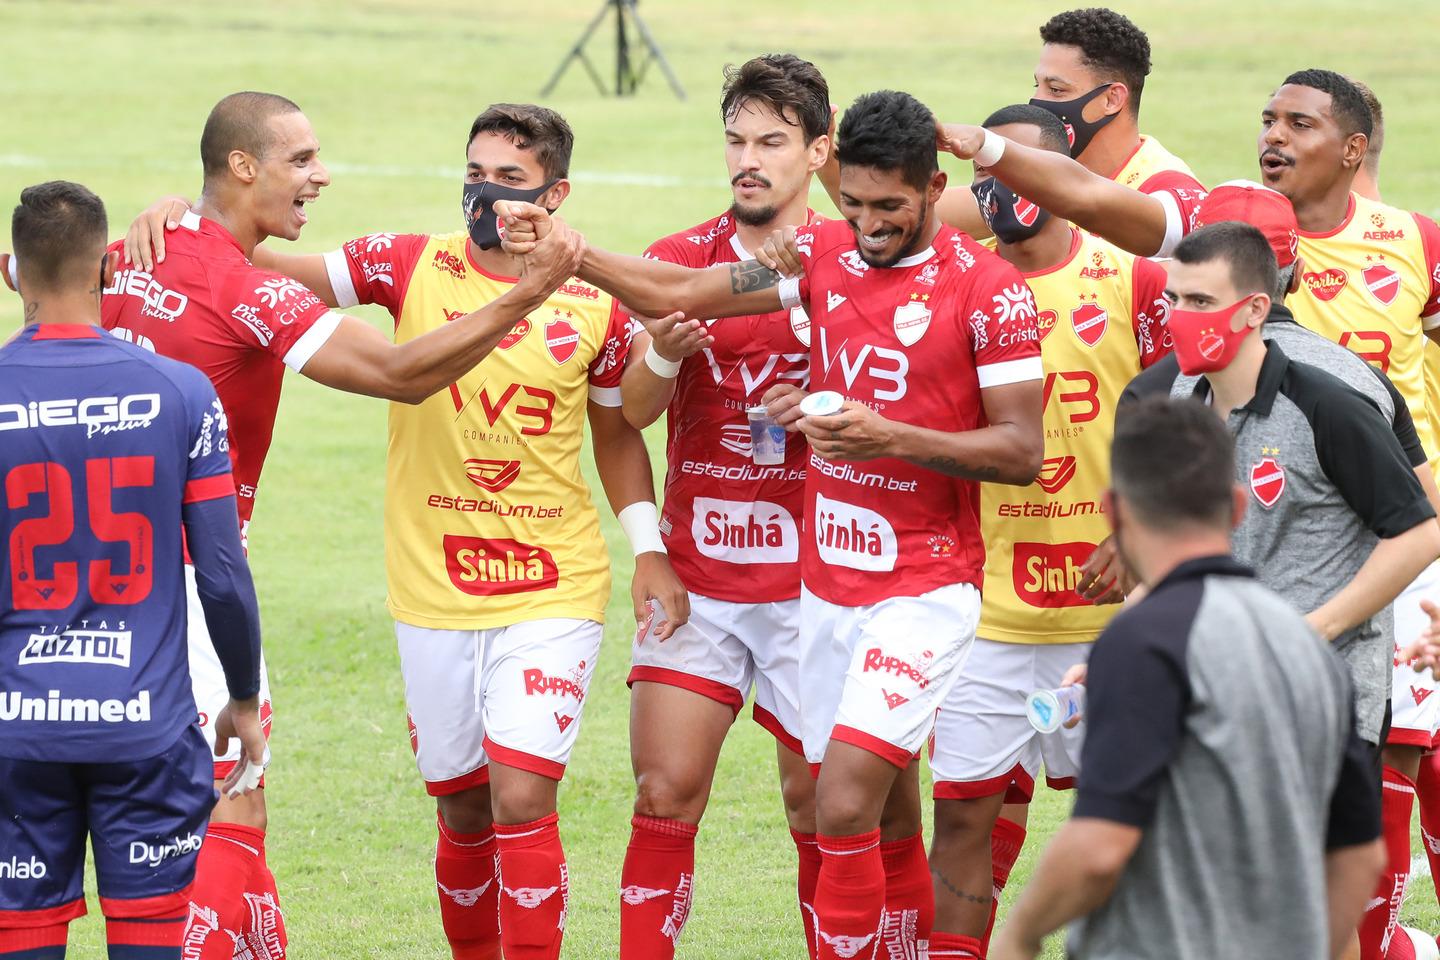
{"type": "Point", "coordinates": [843, 810]}
{"type": "Point", "coordinates": [467, 811]}
{"type": "Point", "coordinates": [523, 800]}
{"type": "Point", "coordinates": [659, 794]}
{"type": "Point", "coordinates": [798, 794]}
{"type": "Point", "coordinates": [964, 823]}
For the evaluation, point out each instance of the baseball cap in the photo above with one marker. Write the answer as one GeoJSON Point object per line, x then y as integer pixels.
{"type": "Point", "coordinates": [1267, 210]}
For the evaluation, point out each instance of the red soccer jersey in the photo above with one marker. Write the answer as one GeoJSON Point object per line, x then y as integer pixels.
{"type": "Point", "coordinates": [1153, 170]}
{"type": "Point", "coordinates": [916, 342]}
{"type": "Point", "coordinates": [733, 527]}
{"type": "Point", "coordinates": [209, 306]}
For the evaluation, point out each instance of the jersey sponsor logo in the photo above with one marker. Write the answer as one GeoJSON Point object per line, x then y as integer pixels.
{"type": "Point", "coordinates": [911, 321]}
{"type": "Point", "coordinates": [800, 324]}
{"type": "Point", "coordinates": [1046, 574]}
{"type": "Point", "coordinates": [847, 535]}
{"type": "Point", "coordinates": [130, 336]}
{"type": "Point", "coordinates": [928, 273]}
{"type": "Point", "coordinates": [277, 290]}
{"type": "Point", "coordinates": [1377, 220]}
{"type": "Point", "coordinates": [700, 239]}
{"type": "Point", "coordinates": [248, 315]}
{"type": "Point", "coordinates": [940, 545]}
{"type": "Point", "coordinates": [1077, 391]}
{"type": "Point", "coordinates": [214, 432]}
{"type": "Point", "coordinates": [445, 262]}
{"type": "Point", "coordinates": [155, 854]}
{"type": "Point", "coordinates": [539, 683]}
{"type": "Point", "coordinates": [1382, 282]}
{"type": "Point", "coordinates": [738, 532]}
{"type": "Point", "coordinates": [494, 566]}
{"type": "Point", "coordinates": [561, 338]}
{"type": "Point", "coordinates": [963, 258]}
{"type": "Point", "coordinates": [883, 364]}
{"type": "Point", "coordinates": [1267, 478]}
{"type": "Point", "coordinates": [1098, 270]}
{"type": "Point", "coordinates": [1418, 694]}
{"type": "Point", "coordinates": [109, 648]}
{"type": "Point", "coordinates": [376, 242]}
{"type": "Point", "coordinates": [492, 475]}
{"type": "Point", "coordinates": [1055, 472]}
{"type": "Point", "coordinates": [1158, 315]}
{"type": "Point", "coordinates": [1090, 321]}
{"type": "Point", "coordinates": [382, 272]}
{"type": "Point", "coordinates": [530, 897]}
{"type": "Point", "coordinates": [516, 334]}
{"type": "Point", "coordinates": [1014, 303]}
{"type": "Point", "coordinates": [57, 709]}
{"type": "Point", "coordinates": [804, 240]}
{"type": "Point", "coordinates": [156, 300]}
{"type": "Point", "coordinates": [100, 415]}
{"type": "Point", "coordinates": [1326, 284]}
{"type": "Point", "coordinates": [562, 721]}
{"type": "Point", "coordinates": [878, 661]}
{"type": "Point", "coordinates": [893, 700]}
{"type": "Point", "coordinates": [853, 263]}
{"type": "Point", "coordinates": [466, 896]}
{"type": "Point", "coordinates": [735, 437]}
{"type": "Point", "coordinates": [833, 301]}
{"type": "Point", "coordinates": [635, 895]}
{"type": "Point", "coordinates": [17, 869]}
{"type": "Point", "coordinates": [979, 331]}
{"type": "Point", "coordinates": [744, 472]}
{"type": "Point", "coordinates": [1372, 346]}
{"type": "Point", "coordinates": [515, 400]}
{"type": "Point", "coordinates": [1045, 321]}
{"type": "Point", "coordinates": [777, 366]}
{"type": "Point", "coordinates": [679, 909]}
{"type": "Point", "coordinates": [850, 473]}
{"type": "Point", "coordinates": [578, 289]}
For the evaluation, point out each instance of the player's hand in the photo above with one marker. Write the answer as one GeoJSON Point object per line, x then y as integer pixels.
{"type": "Point", "coordinates": [782, 402]}
{"type": "Point", "coordinates": [552, 260]}
{"type": "Point", "coordinates": [655, 580]}
{"type": "Point", "coordinates": [959, 139]}
{"type": "Point", "coordinates": [1008, 946]}
{"type": "Point", "coordinates": [855, 433]}
{"type": "Point", "coordinates": [674, 338]}
{"type": "Point", "coordinates": [241, 718]}
{"type": "Point", "coordinates": [1105, 578]}
{"type": "Point", "coordinates": [1074, 677]}
{"type": "Point", "coordinates": [780, 253]}
{"type": "Point", "coordinates": [525, 225]}
{"type": "Point", "coordinates": [145, 240]}
{"type": "Point", "coordinates": [1424, 653]}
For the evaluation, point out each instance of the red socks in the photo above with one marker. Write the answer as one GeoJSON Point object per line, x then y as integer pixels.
{"type": "Point", "coordinates": [1427, 792]}
{"type": "Point", "coordinates": [952, 946]}
{"type": "Point", "coordinates": [1006, 841]}
{"type": "Point", "coordinates": [535, 888]}
{"type": "Point", "coordinates": [35, 943]}
{"type": "Point", "coordinates": [809, 875]}
{"type": "Point", "coordinates": [1379, 924]}
{"type": "Point", "coordinates": [656, 886]}
{"type": "Point", "coordinates": [217, 903]}
{"type": "Point", "coordinates": [909, 899]}
{"type": "Point", "coordinates": [849, 896]}
{"type": "Point", "coordinates": [467, 882]}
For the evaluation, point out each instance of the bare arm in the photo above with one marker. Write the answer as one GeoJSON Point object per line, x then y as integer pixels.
{"type": "Point", "coordinates": [645, 393]}
{"type": "Point", "coordinates": [1055, 182]}
{"type": "Point", "coordinates": [1391, 566]}
{"type": "Point", "coordinates": [1076, 875]}
{"type": "Point", "coordinates": [1350, 874]}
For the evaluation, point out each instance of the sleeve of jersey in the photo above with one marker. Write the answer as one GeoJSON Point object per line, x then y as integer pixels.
{"type": "Point", "coordinates": [1181, 195]}
{"type": "Point", "coordinates": [1430, 240]}
{"type": "Point", "coordinates": [1001, 325]}
{"type": "Point", "coordinates": [1150, 312]}
{"type": "Point", "coordinates": [1403, 423]}
{"type": "Point", "coordinates": [207, 472]}
{"type": "Point", "coordinates": [284, 317]}
{"type": "Point", "coordinates": [608, 366]}
{"type": "Point", "coordinates": [226, 590]}
{"type": "Point", "coordinates": [795, 291]}
{"type": "Point", "coordinates": [1358, 451]}
{"type": "Point", "coordinates": [375, 269]}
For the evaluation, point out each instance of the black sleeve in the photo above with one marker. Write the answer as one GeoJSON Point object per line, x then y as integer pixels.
{"type": "Point", "coordinates": [1137, 693]}
{"type": "Point", "coordinates": [227, 593]}
{"type": "Point", "coordinates": [1154, 381]}
{"type": "Point", "coordinates": [1360, 454]}
{"type": "Point", "coordinates": [1403, 424]}
{"type": "Point", "coordinates": [1355, 802]}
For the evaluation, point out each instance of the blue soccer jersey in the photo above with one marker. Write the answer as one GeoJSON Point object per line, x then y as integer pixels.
{"type": "Point", "coordinates": [101, 443]}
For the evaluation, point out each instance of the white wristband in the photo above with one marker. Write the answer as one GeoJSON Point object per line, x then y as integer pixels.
{"type": "Point", "coordinates": [991, 150]}
{"type": "Point", "coordinates": [669, 369]}
{"type": "Point", "coordinates": [641, 523]}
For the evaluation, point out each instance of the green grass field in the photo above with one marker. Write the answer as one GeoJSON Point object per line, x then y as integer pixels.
{"type": "Point", "coordinates": [114, 94]}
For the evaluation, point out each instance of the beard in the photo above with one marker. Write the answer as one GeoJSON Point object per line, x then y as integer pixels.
{"type": "Point", "coordinates": [909, 244]}
{"type": "Point", "coordinates": [754, 216]}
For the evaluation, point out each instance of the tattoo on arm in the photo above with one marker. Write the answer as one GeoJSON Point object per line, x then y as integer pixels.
{"type": "Point", "coordinates": [957, 892]}
{"type": "Point", "coordinates": [954, 468]}
{"type": "Point", "coordinates": [750, 276]}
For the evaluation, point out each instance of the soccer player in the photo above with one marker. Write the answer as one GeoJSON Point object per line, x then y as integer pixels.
{"type": "Point", "coordinates": [732, 527]}
{"type": "Point", "coordinates": [932, 339]}
{"type": "Point", "coordinates": [209, 305]}
{"type": "Point", "coordinates": [1219, 732]}
{"type": "Point", "coordinates": [110, 454]}
{"type": "Point", "coordinates": [1033, 624]}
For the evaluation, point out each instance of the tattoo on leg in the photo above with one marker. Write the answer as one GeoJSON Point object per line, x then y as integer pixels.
{"type": "Point", "coordinates": [954, 468]}
{"type": "Point", "coordinates": [750, 276]}
{"type": "Point", "coordinates": [957, 892]}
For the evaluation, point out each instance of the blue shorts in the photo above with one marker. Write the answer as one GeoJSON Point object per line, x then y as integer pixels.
{"type": "Point", "coordinates": [145, 819]}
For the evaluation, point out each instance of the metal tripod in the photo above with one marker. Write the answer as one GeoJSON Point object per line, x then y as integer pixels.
{"type": "Point", "coordinates": [628, 72]}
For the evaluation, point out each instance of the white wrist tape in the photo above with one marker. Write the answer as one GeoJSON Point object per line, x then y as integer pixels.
{"type": "Point", "coordinates": [641, 523]}
{"type": "Point", "coordinates": [669, 369]}
{"type": "Point", "coordinates": [991, 150]}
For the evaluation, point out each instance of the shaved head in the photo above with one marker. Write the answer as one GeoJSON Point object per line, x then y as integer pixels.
{"type": "Point", "coordinates": [241, 121]}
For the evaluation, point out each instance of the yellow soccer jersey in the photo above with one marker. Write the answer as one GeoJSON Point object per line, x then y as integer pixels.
{"type": "Point", "coordinates": [1103, 318]}
{"type": "Point", "coordinates": [1373, 285]}
{"type": "Point", "coordinates": [487, 519]}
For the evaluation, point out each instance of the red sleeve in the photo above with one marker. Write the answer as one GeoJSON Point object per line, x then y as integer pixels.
{"type": "Point", "coordinates": [1001, 325]}
{"type": "Point", "coordinates": [1186, 191]}
{"type": "Point", "coordinates": [378, 268]}
{"type": "Point", "coordinates": [609, 364]}
{"type": "Point", "coordinates": [1430, 241]}
{"type": "Point", "coordinates": [807, 238]}
{"type": "Point", "coordinates": [279, 313]}
{"type": "Point", "coordinates": [1150, 311]}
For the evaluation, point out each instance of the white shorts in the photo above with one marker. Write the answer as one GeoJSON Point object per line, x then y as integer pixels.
{"type": "Point", "coordinates": [1414, 712]}
{"type": "Point", "coordinates": [208, 679]}
{"type": "Point", "coordinates": [722, 650]}
{"type": "Point", "coordinates": [875, 675]}
{"type": "Point", "coordinates": [510, 694]}
{"type": "Point", "coordinates": [984, 744]}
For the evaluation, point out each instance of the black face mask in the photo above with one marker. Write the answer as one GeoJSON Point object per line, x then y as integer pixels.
{"type": "Point", "coordinates": [478, 204]}
{"type": "Point", "coordinates": [1071, 113]}
{"type": "Point", "coordinates": [1010, 217]}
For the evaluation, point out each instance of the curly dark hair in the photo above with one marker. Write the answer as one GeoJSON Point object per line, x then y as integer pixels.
{"type": "Point", "coordinates": [1347, 103]}
{"type": "Point", "coordinates": [780, 81]}
{"type": "Point", "coordinates": [889, 130]}
{"type": "Point", "coordinates": [1109, 44]}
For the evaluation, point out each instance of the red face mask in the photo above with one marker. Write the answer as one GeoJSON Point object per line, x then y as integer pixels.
{"type": "Point", "coordinates": [1204, 342]}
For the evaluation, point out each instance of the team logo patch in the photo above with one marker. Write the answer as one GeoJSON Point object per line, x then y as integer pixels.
{"type": "Point", "coordinates": [1055, 472]}
{"type": "Point", "coordinates": [562, 721]}
{"type": "Point", "coordinates": [635, 895]}
{"type": "Point", "coordinates": [800, 323]}
{"type": "Point", "coordinates": [492, 475]}
{"type": "Point", "coordinates": [516, 334]}
{"type": "Point", "coordinates": [893, 700]}
{"type": "Point", "coordinates": [561, 339]}
{"type": "Point", "coordinates": [1090, 321]}
{"type": "Point", "coordinates": [465, 897]}
{"type": "Point", "coordinates": [1045, 322]}
{"type": "Point", "coordinates": [1382, 282]}
{"type": "Point", "coordinates": [1267, 481]}
{"type": "Point", "coordinates": [1326, 285]}
{"type": "Point", "coordinates": [911, 321]}
{"type": "Point", "coordinates": [1026, 212]}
